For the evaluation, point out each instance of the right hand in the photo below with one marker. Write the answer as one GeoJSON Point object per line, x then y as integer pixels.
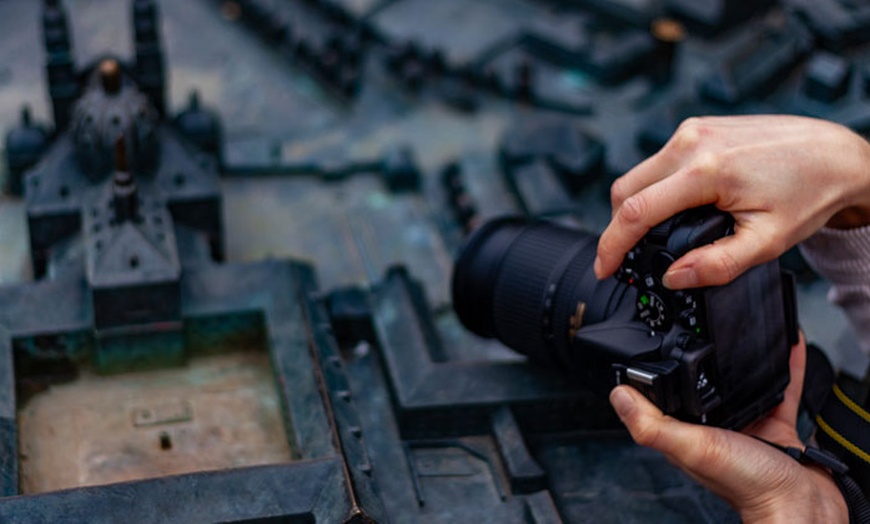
{"type": "Point", "coordinates": [781, 177]}
{"type": "Point", "coordinates": [762, 483]}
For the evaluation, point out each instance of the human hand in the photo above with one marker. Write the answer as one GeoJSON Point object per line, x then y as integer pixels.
{"type": "Point", "coordinates": [781, 177]}
{"type": "Point", "coordinates": [760, 482]}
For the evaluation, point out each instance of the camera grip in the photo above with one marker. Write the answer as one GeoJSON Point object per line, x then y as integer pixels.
{"type": "Point", "coordinates": [634, 353]}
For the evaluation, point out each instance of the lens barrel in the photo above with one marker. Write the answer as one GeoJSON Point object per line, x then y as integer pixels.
{"type": "Point", "coordinates": [522, 282]}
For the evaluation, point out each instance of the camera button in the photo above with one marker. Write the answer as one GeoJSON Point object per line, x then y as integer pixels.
{"type": "Point", "coordinates": [649, 281]}
{"type": "Point", "coordinates": [685, 301]}
{"type": "Point", "coordinates": [690, 320]}
{"type": "Point", "coordinates": [626, 274]}
{"type": "Point", "coordinates": [640, 377]}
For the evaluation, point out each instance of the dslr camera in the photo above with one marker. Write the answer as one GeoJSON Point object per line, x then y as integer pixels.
{"type": "Point", "coordinates": [716, 355]}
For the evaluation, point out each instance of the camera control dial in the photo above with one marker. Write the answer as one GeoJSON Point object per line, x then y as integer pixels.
{"type": "Point", "coordinates": [653, 310]}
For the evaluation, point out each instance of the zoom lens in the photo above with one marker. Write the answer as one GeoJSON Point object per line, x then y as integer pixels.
{"type": "Point", "coordinates": [528, 283]}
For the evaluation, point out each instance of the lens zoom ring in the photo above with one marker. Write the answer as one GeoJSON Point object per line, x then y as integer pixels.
{"type": "Point", "coordinates": [576, 285]}
{"type": "Point", "coordinates": [519, 299]}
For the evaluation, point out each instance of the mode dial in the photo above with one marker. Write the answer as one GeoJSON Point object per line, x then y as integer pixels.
{"type": "Point", "coordinates": [653, 311]}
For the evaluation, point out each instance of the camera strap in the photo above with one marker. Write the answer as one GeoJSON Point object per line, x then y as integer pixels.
{"type": "Point", "coordinates": [843, 431]}
{"type": "Point", "coordinates": [845, 424]}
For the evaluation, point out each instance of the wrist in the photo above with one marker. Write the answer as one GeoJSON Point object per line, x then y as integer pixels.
{"type": "Point", "coordinates": [811, 496]}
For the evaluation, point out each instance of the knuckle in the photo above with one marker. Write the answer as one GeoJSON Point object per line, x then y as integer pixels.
{"type": "Point", "coordinates": [705, 166]}
{"type": "Point", "coordinates": [645, 433]}
{"type": "Point", "coordinates": [689, 134]}
{"type": "Point", "coordinates": [634, 210]}
{"type": "Point", "coordinates": [710, 163]}
{"type": "Point", "coordinates": [618, 192]}
{"type": "Point", "coordinates": [727, 267]}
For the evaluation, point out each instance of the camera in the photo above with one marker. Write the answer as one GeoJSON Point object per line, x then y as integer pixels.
{"type": "Point", "coordinates": [715, 355]}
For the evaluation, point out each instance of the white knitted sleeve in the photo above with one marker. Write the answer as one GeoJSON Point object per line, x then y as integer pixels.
{"type": "Point", "coordinates": [842, 256]}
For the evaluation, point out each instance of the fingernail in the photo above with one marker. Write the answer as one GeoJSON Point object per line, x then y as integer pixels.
{"type": "Point", "coordinates": [622, 402]}
{"type": "Point", "coordinates": [680, 278]}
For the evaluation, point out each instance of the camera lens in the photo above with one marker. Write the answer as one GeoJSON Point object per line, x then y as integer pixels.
{"type": "Point", "coordinates": [526, 283]}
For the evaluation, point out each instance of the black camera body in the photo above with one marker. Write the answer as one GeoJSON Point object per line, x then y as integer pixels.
{"type": "Point", "coordinates": [716, 355]}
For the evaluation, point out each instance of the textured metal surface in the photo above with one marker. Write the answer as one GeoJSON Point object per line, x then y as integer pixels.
{"type": "Point", "coordinates": [105, 429]}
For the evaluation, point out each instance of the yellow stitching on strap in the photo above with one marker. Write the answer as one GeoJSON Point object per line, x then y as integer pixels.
{"type": "Point", "coordinates": [841, 440]}
{"type": "Point", "coordinates": [858, 410]}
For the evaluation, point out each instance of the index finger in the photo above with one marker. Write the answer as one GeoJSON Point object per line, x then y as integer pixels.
{"type": "Point", "coordinates": [641, 176]}
{"type": "Point", "coordinates": [687, 188]}
{"type": "Point", "coordinates": [686, 144]}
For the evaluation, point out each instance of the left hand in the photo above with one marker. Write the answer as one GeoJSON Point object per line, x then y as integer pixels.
{"type": "Point", "coordinates": [762, 483]}
{"type": "Point", "coordinates": [781, 177]}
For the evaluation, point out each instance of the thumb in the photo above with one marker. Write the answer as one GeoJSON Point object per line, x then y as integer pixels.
{"type": "Point", "coordinates": [647, 424]}
{"type": "Point", "coordinates": [718, 263]}
{"type": "Point", "coordinates": [735, 466]}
